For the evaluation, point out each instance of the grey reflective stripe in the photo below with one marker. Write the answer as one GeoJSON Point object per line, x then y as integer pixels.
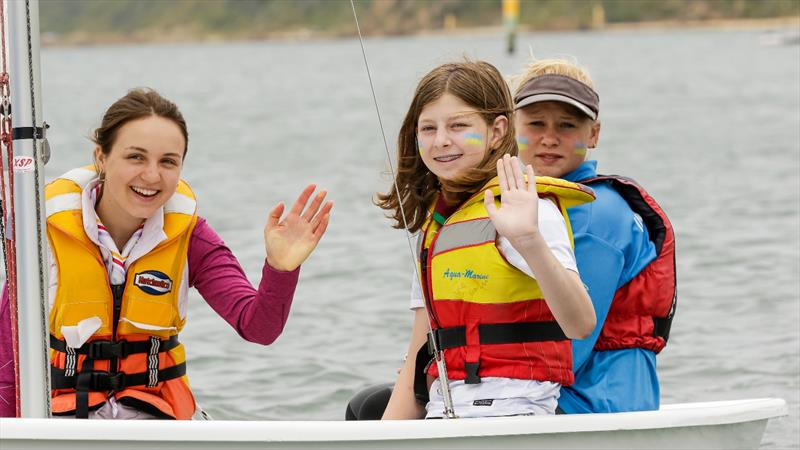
{"type": "Point", "coordinates": [463, 234]}
{"type": "Point", "coordinates": [152, 362]}
{"type": "Point", "coordinates": [70, 363]}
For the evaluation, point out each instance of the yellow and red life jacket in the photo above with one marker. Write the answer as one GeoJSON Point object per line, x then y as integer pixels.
{"type": "Point", "coordinates": [642, 310]}
{"type": "Point", "coordinates": [135, 355]}
{"type": "Point", "coordinates": [489, 317]}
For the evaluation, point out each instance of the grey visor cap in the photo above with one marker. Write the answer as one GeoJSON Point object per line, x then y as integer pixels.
{"type": "Point", "coordinates": [559, 88]}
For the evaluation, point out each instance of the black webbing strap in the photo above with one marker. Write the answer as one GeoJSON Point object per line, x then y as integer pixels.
{"type": "Point", "coordinates": [500, 333]}
{"type": "Point", "coordinates": [109, 349]}
{"type": "Point", "coordinates": [82, 390]}
{"type": "Point", "coordinates": [489, 333]}
{"type": "Point", "coordinates": [26, 133]}
{"type": "Point", "coordinates": [512, 333]}
{"type": "Point", "coordinates": [101, 381]}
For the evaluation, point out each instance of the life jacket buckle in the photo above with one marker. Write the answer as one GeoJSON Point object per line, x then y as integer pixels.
{"type": "Point", "coordinates": [97, 380]}
{"type": "Point", "coordinates": [472, 373]}
{"type": "Point", "coordinates": [108, 349]}
{"type": "Point", "coordinates": [432, 337]}
{"type": "Point", "coordinates": [99, 350]}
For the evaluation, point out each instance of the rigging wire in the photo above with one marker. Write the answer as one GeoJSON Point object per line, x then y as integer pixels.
{"type": "Point", "coordinates": [438, 353]}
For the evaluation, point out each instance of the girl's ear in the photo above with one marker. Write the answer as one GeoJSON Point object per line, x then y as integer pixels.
{"type": "Point", "coordinates": [594, 137]}
{"type": "Point", "coordinates": [498, 129]}
{"type": "Point", "coordinates": [99, 159]}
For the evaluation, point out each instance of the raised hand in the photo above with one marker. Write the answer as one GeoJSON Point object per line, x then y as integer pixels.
{"type": "Point", "coordinates": [517, 218]}
{"type": "Point", "coordinates": [290, 240]}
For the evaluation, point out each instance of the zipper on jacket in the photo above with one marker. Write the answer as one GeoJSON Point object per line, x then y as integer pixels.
{"type": "Point", "coordinates": [117, 291]}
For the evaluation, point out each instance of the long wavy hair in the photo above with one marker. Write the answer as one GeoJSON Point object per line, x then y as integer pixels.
{"type": "Point", "coordinates": [478, 84]}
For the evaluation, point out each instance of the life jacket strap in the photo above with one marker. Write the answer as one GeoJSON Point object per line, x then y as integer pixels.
{"type": "Point", "coordinates": [489, 333]}
{"type": "Point", "coordinates": [102, 381]}
{"type": "Point", "coordinates": [110, 349]}
{"type": "Point", "coordinates": [498, 333]}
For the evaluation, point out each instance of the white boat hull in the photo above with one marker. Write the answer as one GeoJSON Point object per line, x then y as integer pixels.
{"type": "Point", "coordinates": [727, 424]}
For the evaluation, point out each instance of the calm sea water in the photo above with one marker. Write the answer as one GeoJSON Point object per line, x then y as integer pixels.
{"type": "Point", "coordinates": [709, 121]}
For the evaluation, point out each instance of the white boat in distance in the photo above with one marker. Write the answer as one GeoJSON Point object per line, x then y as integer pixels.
{"type": "Point", "coordinates": [711, 425]}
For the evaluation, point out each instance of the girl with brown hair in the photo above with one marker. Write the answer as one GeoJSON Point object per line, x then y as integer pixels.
{"type": "Point", "coordinates": [496, 270]}
{"type": "Point", "coordinates": [125, 244]}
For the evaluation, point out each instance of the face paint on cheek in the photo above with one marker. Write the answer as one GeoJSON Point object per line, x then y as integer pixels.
{"type": "Point", "coordinates": [473, 139]}
{"type": "Point", "coordinates": [579, 149]}
{"type": "Point", "coordinates": [420, 148]}
{"type": "Point", "coordinates": [522, 143]}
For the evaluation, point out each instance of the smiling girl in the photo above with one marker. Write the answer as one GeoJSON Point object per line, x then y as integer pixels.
{"type": "Point", "coordinates": [126, 244]}
{"type": "Point", "coordinates": [496, 269]}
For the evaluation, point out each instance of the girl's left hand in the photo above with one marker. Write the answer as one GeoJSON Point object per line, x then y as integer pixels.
{"type": "Point", "coordinates": [517, 218]}
{"type": "Point", "coordinates": [291, 240]}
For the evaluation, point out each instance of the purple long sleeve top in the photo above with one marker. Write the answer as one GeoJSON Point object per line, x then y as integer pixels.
{"type": "Point", "coordinates": [257, 315]}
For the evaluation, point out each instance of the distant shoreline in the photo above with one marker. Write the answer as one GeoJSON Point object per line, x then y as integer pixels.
{"type": "Point", "coordinates": [85, 39]}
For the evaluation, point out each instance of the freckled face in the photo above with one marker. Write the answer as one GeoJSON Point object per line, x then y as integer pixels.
{"type": "Point", "coordinates": [556, 138]}
{"type": "Point", "coordinates": [452, 137]}
{"type": "Point", "coordinates": [142, 169]}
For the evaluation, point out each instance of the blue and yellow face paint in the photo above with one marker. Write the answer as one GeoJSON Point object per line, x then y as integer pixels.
{"type": "Point", "coordinates": [522, 143]}
{"type": "Point", "coordinates": [420, 148]}
{"type": "Point", "coordinates": [473, 139]}
{"type": "Point", "coordinates": [580, 149]}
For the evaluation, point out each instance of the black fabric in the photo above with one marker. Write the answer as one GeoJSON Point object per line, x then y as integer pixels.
{"type": "Point", "coordinates": [100, 381]}
{"type": "Point", "coordinates": [82, 388]}
{"type": "Point", "coordinates": [661, 326]}
{"type": "Point", "coordinates": [501, 333]}
{"type": "Point", "coordinates": [109, 349]}
{"type": "Point", "coordinates": [369, 403]}
{"type": "Point", "coordinates": [26, 133]}
{"type": "Point", "coordinates": [448, 338]}
{"type": "Point", "coordinates": [421, 363]}
{"type": "Point", "coordinates": [116, 290]}
{"type": "Point", "coordinates": [510, 333]}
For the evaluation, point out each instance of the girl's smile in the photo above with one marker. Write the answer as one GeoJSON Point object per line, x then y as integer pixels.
{"type": "Point", "coordinates": [141, 171]}
{"type": "Point", "coordinates": [452, 137]}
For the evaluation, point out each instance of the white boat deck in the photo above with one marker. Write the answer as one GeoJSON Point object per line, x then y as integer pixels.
{"type": "Point", "coordinates": [725, 424]}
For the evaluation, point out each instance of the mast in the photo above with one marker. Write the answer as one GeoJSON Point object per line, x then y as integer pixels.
{"type": "Point", "coordinates": [28, 165]}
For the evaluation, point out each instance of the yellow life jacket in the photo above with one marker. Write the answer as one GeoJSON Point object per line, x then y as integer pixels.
{"type": "Point", "coordinates": [490, 317]}
{"type": "Point", "coordinates": [137, 357]}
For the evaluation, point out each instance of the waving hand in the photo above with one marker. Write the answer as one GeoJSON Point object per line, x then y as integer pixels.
{"type": "Point", "coordinates": [518, 214]}
{"type": "Point", "coordinates": [291, 240]}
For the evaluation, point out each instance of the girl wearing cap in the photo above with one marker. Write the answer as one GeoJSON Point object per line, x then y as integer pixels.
{"type": "Point", "coordinates": [627, 263]}
{"type": "Point", "coordinates": [496, 268]}
{"type": "Point", "coordinates": [125, 244]}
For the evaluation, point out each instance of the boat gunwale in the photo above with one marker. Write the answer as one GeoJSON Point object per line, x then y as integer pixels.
{"type": "Point", "coordinates": [670, 416]}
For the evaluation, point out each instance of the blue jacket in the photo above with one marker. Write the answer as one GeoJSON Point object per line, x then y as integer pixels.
{"type": "Point", "coordinates": [611, 247]}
